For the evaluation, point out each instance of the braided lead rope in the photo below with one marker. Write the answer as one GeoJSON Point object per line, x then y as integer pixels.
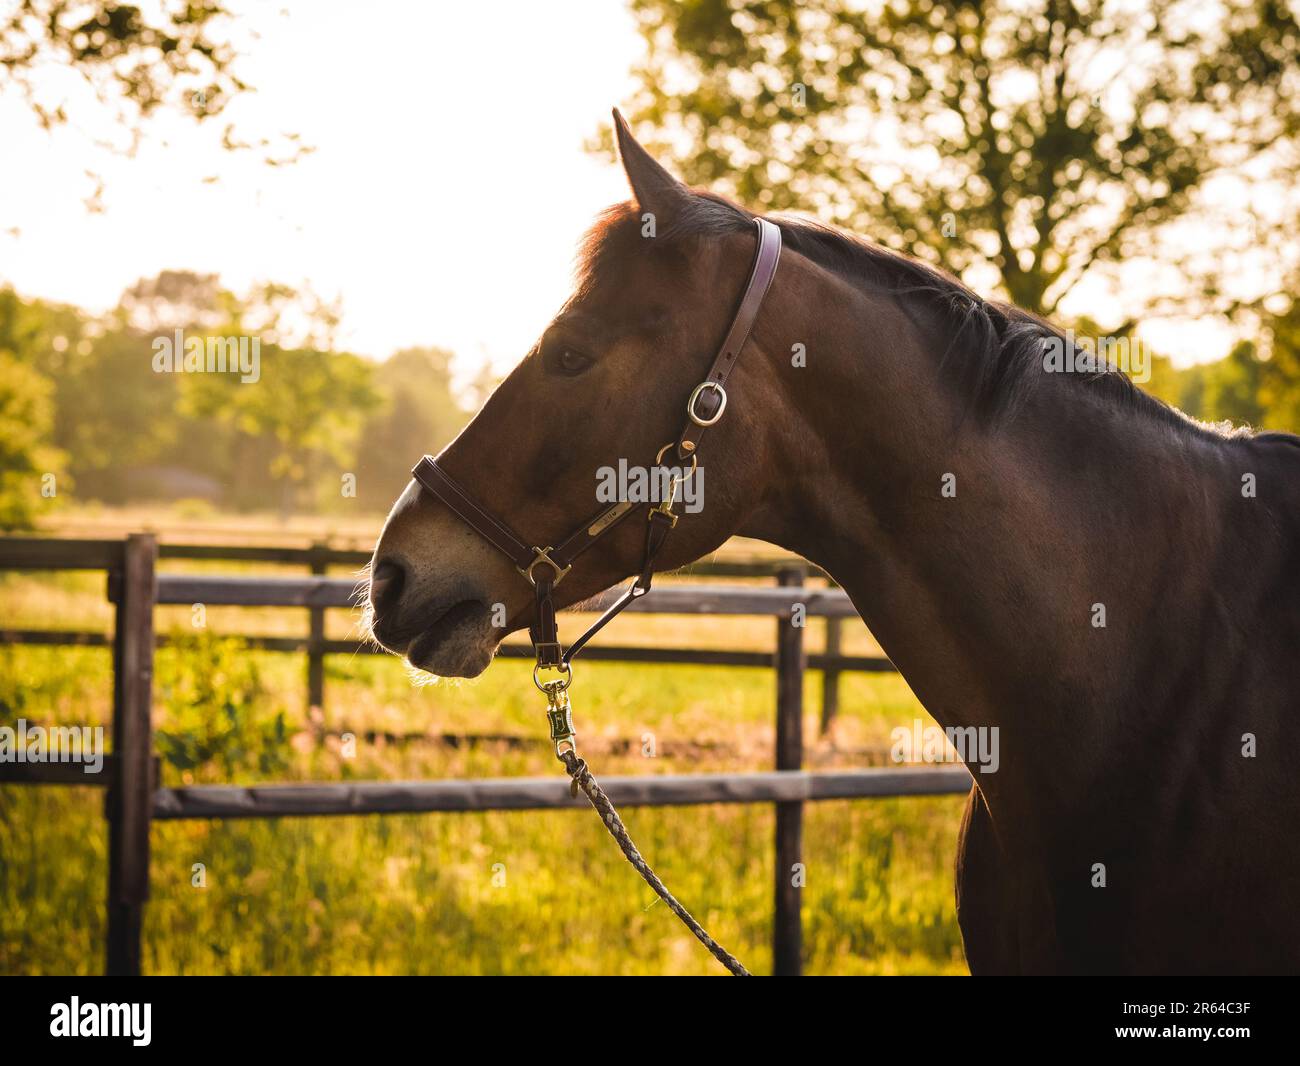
{"type": "Point", "coordinates": [582, 779]}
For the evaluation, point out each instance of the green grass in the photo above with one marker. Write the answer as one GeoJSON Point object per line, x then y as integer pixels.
{"type": "Point", "coordinates": [501, 892]}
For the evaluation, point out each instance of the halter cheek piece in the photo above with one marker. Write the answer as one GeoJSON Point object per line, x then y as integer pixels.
{"type": "Point", "coordinates": [545, 568]}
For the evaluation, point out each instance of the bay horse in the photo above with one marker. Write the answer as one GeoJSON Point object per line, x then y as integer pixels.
{"type": "Point", "coordinates": [1112, 586]}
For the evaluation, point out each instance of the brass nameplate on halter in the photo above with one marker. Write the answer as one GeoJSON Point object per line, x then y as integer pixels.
{"type": "Point", "coordinates": [608, 519]}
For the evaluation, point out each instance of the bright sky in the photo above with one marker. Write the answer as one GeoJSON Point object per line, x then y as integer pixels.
{"type": "Point", "coordinates": [443, 204]}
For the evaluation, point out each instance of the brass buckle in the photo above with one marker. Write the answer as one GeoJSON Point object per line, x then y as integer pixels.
{"type": "Point", "coordinates": [553, 660]}
{"type": "Point", "coordinates": [542, 555]}
{"type": "Point", "coordinates": [690, 404]}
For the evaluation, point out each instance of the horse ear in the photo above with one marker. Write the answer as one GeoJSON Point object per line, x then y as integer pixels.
{"type": "Point", "coordinates": [656, 191]}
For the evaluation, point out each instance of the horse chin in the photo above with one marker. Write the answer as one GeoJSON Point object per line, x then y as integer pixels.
{"type": "Point", "coordinates": [460, 648]}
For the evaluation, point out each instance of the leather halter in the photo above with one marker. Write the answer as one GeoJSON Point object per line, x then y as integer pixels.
{"type": "Point", "coordinates": [545, 568]}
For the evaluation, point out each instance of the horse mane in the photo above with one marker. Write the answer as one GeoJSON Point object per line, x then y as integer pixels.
{"type": "Point", "coordinates": [994, 349]}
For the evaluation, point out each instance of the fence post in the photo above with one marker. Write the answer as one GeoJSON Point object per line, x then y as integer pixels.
{"type": "Point", "coordinates": [130, 797]}
{"type": "Point", "coordinates": [316, 636]}
{"type": "Point", "coordinates": [787, 936]}
{"type": "Point", "coordinates": [830, 675]}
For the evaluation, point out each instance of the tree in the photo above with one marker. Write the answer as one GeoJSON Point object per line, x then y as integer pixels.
{"type": "Point", "coordinates": [1256, 384]}
{"type": "Point", "coordinates": [27, 413]}
{"type": "Point", "coordinates": [130, 62]}
{"type": "Point", "coordinates": [114, 415]}
{"type": "Point", "coordinates": [25, 457]}
{"type": "Point", "coordinates": [1279, 392]}
{"type": "Point", "coordinates": [1023, 146]}
{"type": "Point", "coordinates": [307, 405]}
{"type": "Point", "coordinates": [133, 60]}
{"type": "Point", "coordinates": [1232, 388]}
{"type": "Point", "coordinates": [175, 299]}
{"type": "Point", "coordinates": [419, 415]}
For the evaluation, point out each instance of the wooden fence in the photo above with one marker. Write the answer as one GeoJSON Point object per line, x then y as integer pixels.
{"type": "Point", "coordinates": [320, 557]}
{"type": "Point", "coordinates": [130, 773]}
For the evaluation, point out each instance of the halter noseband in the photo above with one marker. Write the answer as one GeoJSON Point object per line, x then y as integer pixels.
{"type": "Point", "coordinates": [545, 568]}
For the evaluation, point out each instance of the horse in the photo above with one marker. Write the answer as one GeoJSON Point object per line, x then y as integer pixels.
{"type": "Point", "coordinates": [1110, 587]}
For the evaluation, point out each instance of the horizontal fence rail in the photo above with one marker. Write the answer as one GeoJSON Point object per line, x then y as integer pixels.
{"type": "Point", "coordinates": [224, 591]}
{"type": "Point", "coordinates": [68, 553]}
{"type": "Point", "coordinates": [320, 593]}
{"type": "Point", "coordinates": [870, 664]}
{"type": "Point", "coordinates": [39, 553]}
{"type": "Point", "coordinates": [542, 793]}
{"type": "Point", "coordinates": [319, 798]}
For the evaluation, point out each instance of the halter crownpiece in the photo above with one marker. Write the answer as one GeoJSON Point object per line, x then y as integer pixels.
{"type": "Point", "coordinates": [545, 568]}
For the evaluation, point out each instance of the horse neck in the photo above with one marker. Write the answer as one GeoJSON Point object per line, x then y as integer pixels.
{"type": "Point", "coordinates": [986, 599]}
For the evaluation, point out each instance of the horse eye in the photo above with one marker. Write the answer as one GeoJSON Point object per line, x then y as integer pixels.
{"type": "Point", "coordinates": [571, 362]}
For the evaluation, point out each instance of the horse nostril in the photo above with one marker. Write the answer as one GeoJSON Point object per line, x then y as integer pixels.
{"type": "Point", "coordinates": [386, 584]}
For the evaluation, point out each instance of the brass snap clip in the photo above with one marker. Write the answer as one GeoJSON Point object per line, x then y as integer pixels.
{"type": "Point", "coordinates": [559, 711]}
{"type": "Point", "coordinates": [665, 506]}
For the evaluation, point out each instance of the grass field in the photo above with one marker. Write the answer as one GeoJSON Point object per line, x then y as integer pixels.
{"type": "Point", "coordinates": [518, 892]}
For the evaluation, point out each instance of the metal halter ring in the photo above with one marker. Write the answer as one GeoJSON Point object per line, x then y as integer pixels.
{"type": "Point", "coordinates": [690, 404]}
{"type": "Point", "coordinates": [540, 555]}
{"type": "Point", "coordinates": [565, 670]}
{"type": "Point", "coordinates": [695, 462]}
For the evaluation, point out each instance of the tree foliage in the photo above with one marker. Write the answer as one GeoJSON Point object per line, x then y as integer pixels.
{"type": "Point", "coordinates": [417, 415]}
{"type": "Point", "coordinates": [80, 398]}
{"type": "Point", "coordinates": [307, 405]}
{"type": "Point", "coordinates": [27, 456]}
{"type": "Point", "coordinates": [111, 67]}
{"type": "Point", "coordinates": [1256, 384]}
{"type": "Point", "coordinates": [134, 59]}
{"type": "Point", "coordinates": [1022, 145]}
